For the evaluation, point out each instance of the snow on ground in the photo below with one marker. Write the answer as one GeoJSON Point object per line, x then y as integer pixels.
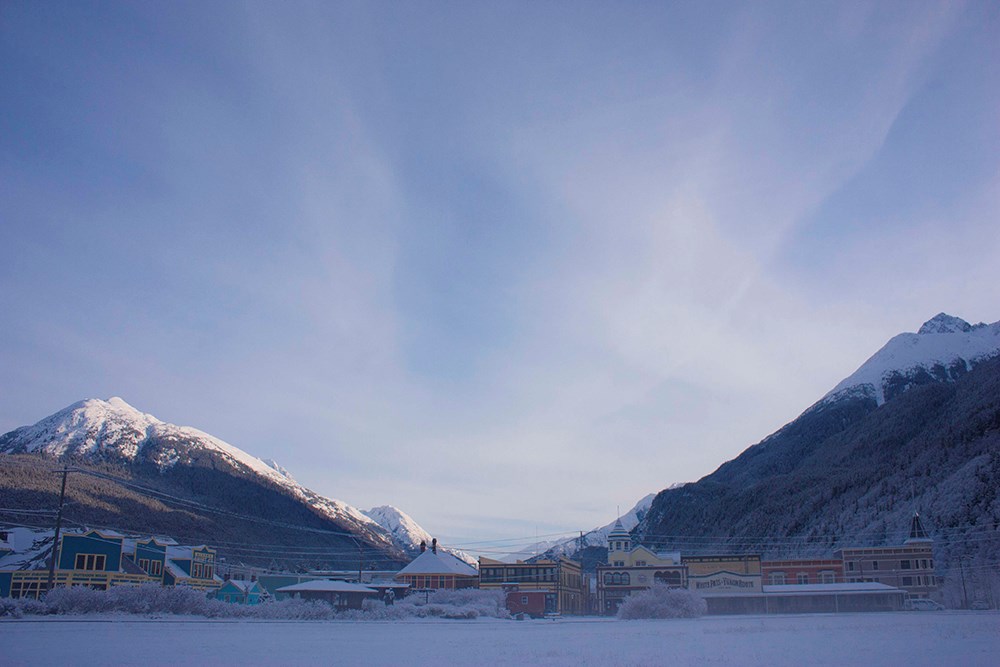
{"type": "Point", "coordinates": [891, 639]}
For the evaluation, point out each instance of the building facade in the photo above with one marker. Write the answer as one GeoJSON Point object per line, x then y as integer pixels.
{"type": "Point", "coordinates": [909, 566]}
{"type": "Point", "coordinates": [560, 581]}
{"type": "Point", "coordinates": [634, 568]}
{"type": "Point", "coordinates": [802, 572]}
{"type": "Point", "coordinates": [436, 569]}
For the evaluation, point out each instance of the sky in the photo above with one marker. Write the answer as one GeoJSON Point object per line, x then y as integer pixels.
{"type": "Point", "coordinates": [506, 266]}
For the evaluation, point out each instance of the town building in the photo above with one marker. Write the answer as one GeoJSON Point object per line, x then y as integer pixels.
{"type": "Point", "coordinates": [100, 559]}
{"type": "Point", "coordinates": [909, 566]}
{"type": "Point", "coordinates": [191, 566]}
{"type": "Point", "coordinates": [802, 572]}
{"type": "Point", "coordinates": [559, 582]}
{"type": "Point", "coordinates": [722, 575]}
{"type": "Point", "coordinates": [435, 569]}
{"type": "Point", "coordinates": [93, 558]}
{"type": "Point", "coordinates": [240, 591]}
{"type": "Point", "coordinates": [340, 594]}
{"type": "Point", "coordinates": [633, 568]}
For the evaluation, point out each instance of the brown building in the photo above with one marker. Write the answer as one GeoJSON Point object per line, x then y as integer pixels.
{"type": "Point", "coordinates": [909, 567]}
{"type": "Point", "coordinates": [339, 594]}
{"type": "Point", "coordinates": [560, 581]}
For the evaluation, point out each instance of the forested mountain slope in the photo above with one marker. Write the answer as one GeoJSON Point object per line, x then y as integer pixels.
{"type": "Point", "coordinates": [852, 469]}
{"type": "Point", "coordinates": [139, 473]}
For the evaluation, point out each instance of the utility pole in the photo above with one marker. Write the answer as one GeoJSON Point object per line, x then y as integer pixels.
{"type": "Point", "coordinates": [55, 540]}
{"type": "Point", "coordinates": [965, 594]}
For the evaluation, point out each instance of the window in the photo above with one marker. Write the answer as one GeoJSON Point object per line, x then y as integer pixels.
{"type": "Point", "coordinates": [802, 578]}
{"type": "Point", "coordinates": [156, 568]}
{"type": "Point", "coordinates": [640, 563]}
{"type": "Point", "coordinates": [626, 579]}
{"type": "Point", "coordinates": [524, 599]}
{"type": "Point", "coordinates": [607, 578]}
{"type": "Point", "coordinates": [908, 581]}
{"type": "Point", "coordinates": [91, 562]}
{"type": "Point", "coordinates": [827, 577]}
{"type": "Point", "coordinates": [777, 578]}
{"type": "Point", "coordinates": [904, 565]}
{"type": "Point", "coordinates": [875, 565]}
{"type": "Point", "coordinates": [850, 566]}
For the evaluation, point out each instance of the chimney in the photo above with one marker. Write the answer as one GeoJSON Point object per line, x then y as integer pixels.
{"type": "Point", "coordinates": [434, 545]}
{"type": "Point", "coordinates": [423, 546]}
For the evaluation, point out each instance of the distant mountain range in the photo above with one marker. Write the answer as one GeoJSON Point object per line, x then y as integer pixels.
{"type": "Point", "coordinates": [112, 440]}
{"type": "Point", "coordinates": [916, 427]}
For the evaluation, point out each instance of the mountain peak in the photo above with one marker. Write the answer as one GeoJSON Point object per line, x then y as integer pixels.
{"type": "Point", "coordinates": [944, 348]}
{"type": "Point", "coordinates": [943, 323]}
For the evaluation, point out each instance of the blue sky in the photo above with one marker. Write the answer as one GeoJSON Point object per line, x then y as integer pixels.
{"type": "Point", "coordinates": [504, 266]}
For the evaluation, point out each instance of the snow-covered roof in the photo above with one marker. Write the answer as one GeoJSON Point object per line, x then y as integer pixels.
{"type": "Point", "coordinates": [30, 549]}
{"type": "Point", "coordinates": [326, 586]}
{"type": "Point", "coordinates": [440, 562]}
{"type": "Point", "coordinates": [184, 553]}
{"type": "Point", "coordinates": [812, 589]}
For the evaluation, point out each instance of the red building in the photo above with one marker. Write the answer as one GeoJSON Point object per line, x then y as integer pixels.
{"type": "Point", "coordinates": [796, 571]}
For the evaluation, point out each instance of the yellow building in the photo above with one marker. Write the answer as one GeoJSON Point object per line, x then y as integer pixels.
{"type": "Point", "coordinates": [724, 575]}
{"type": "Point", "coordinates": [632, 569]}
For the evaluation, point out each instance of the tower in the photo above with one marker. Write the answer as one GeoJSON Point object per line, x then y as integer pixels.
{"type": "Point", "coordinates": [619, 543]}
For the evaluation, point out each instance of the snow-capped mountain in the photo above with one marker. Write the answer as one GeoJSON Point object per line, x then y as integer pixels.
{"type": "Point", "coordinates": [943, 349]}
{"type": "Point", "coordinates": [598, 537]}
{"type": "Point", "coordinates": [407, 533]}
{"type": "Point", "coordinates": [914, 428]}
{"type": "Point", "coordinates": [114, 431]}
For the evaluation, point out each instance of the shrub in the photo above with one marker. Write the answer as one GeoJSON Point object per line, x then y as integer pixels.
{"type": "Point", "coordinates": [661, 601]}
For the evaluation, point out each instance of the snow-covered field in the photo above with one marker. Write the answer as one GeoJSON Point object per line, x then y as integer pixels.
{"type": "Point", "coordinates": [916, 638]}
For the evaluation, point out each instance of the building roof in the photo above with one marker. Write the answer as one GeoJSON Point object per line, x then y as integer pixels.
{"type": "Point", "coordinates": [618, 532]}
{"type": "Point", "coordinates": [439, 562]}
{"type": "Point", "coordinates": [843, 588]}
{"type": "Point", "coordinates": [917, 532]}
{"type": "Point", "coordinates": [326, 586]}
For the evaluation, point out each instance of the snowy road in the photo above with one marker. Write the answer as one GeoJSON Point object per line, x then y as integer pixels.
{"type": "Point", "coordinates": [947, 638]}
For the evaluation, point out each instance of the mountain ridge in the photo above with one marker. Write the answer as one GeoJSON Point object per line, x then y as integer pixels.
{"type": "Point", "coordinates": [114, 432]}
{"type": "Point", "coordinates": [853, 468]}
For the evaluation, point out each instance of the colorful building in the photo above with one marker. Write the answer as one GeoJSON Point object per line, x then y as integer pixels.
{"type": "Point", "coordinates": [240, 591]}
{"type": "Point", "coordinates": [92, 558]}
{"type": "Point", "coordinates": [100, 559]}
{"type": "Point", "coordinates": [191, 566]}
{"type": "Point", "coordinates": [560, 581]}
